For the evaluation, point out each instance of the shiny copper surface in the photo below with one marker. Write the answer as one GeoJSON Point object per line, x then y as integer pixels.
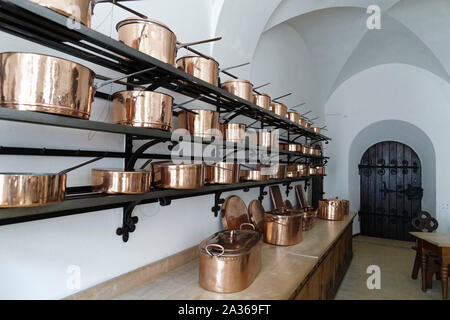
{"type": "Point", "coordinates": [306, 149]}
{"type": "Point", "coordinates": [234, 213]}
{"type": "Point", "coordinates": [308, 220]}
{"type": "Point", "coordinates": [303, 170]}
{"type": "Point", "coordinates": [301, 197]}
{"type": "Point", "coordinates": [252, 135]}
{"type": "Point", "coordinates": [145, 109]}
{"type": "Point", "coordinates": [167, 175]}
{"type": "Point", "coordinates": [279, 109]}
{"type": "Point", "coordinates": [292, 171]}
{"type": "Point", "coordinates": [316, 129]}
{"type": "Point", "coordinates": [35, 82]}
{"type": "Point", "coordinates": [294, 116]}
{"type": "Point", "coordinates": [233, 132]}
{"type": "Point", "coordinates": [253, 175]}
{"type": "Point", "coordinates": [262, 100]}
{"type": "Point", "coordinates": [308, 125]}
{"type": "Point", "coordinates": [240, 88]}
{"type": "Point", "coordinates": [230, 260]}
{"type": "Point", "coordinates": [79, 10]}
{"type": "Point", "coordinates": [283, 227]}
{"type": "Point", "coordinates": [205, 123]}
{"type": "Point", "coordinates": [223, 173]}
{"type": "Point", "coordinates": [320, 170]}
{"type": "Point", "coordinates": [121, 182]}
{"type": "Point", "coordinates": [312, 171]}
{"type": "Point", "coordinates": [291, 147]}
{"type": "Point", "coordinates": [257, 212]}
{"type": "Point", "coordinates": [30, 190]}
{"type": "Point", "coordinates": [200, 67]}
{"type": "Point", "coordinates": [302, 122]}
{"type": "Point", "coordinates": [150, 37]}
{"type": "Point", "coordinates": [345, 207]}
{"type": "Point", "coordinates": [266, 139]}
{"type": "Point", "coordinates": [276, 172]}
{"type": "Point", "coordinates": [330, 210]}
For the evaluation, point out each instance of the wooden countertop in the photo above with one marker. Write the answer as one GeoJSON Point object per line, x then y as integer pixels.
{"type": "Point", "coordinates": [438, 239]}
{"type": "Point", "coordinates": [284, 269]}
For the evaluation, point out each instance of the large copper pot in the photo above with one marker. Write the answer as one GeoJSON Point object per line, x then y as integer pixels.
{"type": "Point", "coordinates": [79, 10]}
{"type": "Point", "coordinates": [145, 109]}
{"type": "Point", "coordinates": [200, 123]}
{"type": "Point", "coordinates": [230, 260]}
{"type": "Point", "coordinates": [233, 132]}
{"type": "Point", "coordinates": [223, 173]}
{"type": "Point", "coordinates": [239, 87]}
{"type": "Point", "coordinates": [279, 109]}
{"type": "Point", "coordinates": [293, 116]}
{"type": "Point", "coordinates": [200, 67]}
{"type": "Point", "coordinates": [262, 100]}
{"type": "Point", "coordinates": [150, 37]}
{"type": "Point", "coordinates": [283, 227]}
{"type": "Point", "coordinates": [35, 82]}
{"type": "Point", "coordinates": [330, 210]}
{"type": "Point", "coordinates": [168, 175]}
{"type": "Point", "coordinates": [121, 182]}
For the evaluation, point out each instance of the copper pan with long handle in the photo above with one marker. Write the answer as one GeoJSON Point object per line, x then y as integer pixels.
{"type": "Point", "coordinates": [19, 190]}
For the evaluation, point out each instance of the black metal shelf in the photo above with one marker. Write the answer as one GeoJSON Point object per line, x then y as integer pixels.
{"type": "Point", "coordinates": [76, 204]}
{"type": "Point", "coordinates": [36, 23]}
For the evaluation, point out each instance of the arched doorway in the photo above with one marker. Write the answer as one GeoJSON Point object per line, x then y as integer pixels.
{"type": "Point", "coordinates": [391, 190]}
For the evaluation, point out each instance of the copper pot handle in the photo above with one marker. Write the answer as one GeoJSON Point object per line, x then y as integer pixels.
{"type": "Point", "coordinates": [217, 246]}
{"type": "Point", "coordinates": [248, 225]}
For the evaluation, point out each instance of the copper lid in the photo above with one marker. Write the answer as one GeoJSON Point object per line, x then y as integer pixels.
{"type": "Point", "coordinates": [257, 215]}
{"type": "Point", "coordinates": [230, 242]}
{"type": "Point", "coordinates": [234, 213]}
{"type": "Point", "coordinates": [277, 198]}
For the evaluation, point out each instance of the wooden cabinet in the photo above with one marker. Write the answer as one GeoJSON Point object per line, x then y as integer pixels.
{"type": "Point", "coordinates": [323, 282]}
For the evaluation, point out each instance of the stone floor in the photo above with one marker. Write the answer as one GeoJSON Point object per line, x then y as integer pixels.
{"type": "Point", "coordinates": [395, 259]}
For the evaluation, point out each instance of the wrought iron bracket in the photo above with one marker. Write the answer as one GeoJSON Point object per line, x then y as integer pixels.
{"type": "Point", "coordinates": [307, 184]}
{"type": "Point", "coordinates": [129, 222]}
{"type": "Point", "coordinates": [288, 188]}
{"type": "Point", "coordinates": [218, 201]}
{"type": "Point", "coordinates": [262, 193]}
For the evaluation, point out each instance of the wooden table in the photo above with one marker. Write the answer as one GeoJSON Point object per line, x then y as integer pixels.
{"type": "Point", "coordinates": [438, 244]}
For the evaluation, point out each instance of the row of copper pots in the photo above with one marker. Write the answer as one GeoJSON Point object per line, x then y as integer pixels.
{"type": "Point", "coordinates": [301, 149]}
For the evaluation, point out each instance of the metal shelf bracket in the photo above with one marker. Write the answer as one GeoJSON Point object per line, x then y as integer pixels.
{"type": "Point", "coordinates": [262, 193]}
{"type": "Point", "coordinates": [218, 201]}
{"type": "Point", "coordinates": [129, 222]}
{"type": "Point", "coordinates": [288, 188]}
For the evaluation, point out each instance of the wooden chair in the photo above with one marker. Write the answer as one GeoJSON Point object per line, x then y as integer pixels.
{"type": "Point", "coordinates": [424, 222]}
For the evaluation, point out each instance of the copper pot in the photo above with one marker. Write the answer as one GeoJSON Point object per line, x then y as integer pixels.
{"type": "Point", "coordinates": [266, 139]}
{"type": "Point", "coordinates": [253, 175]}
{"type": "Point", "coordinates": [202, 123]}
{"type": "Point", "coordinates": [276, 172]}
{"type": "Point", "coordinates": [302, 122]}
{"type": "Point", "coordinates": [230, 260]}
{"type": "Point", "coordinates": [306, 149]}
{"type": "Point", "coordinates": [35, 82]}
{"type": "Point", "coordinates": [320, 170]}
{"type": "Point", "coordinates": [330, 210]}
{"type": "Point", "coordinates": [279, 109]}
{"type": "Point", "coordinates": [316, 129]}
{"type": "Point", "coordinates": [283, 227]}
{"type": "Point", "coordinates": [308, 220]}
{"type": "Point", "coordinates": [233, 132]}
{"type": "Point", "coordinates": [303, 170]}
{"type": "Point", "coordinates": [168, 175]}
{"type": "Point", "coordinates": [308, 125]}
{"type": "Point", "coordinates": [292, 171]}
{"type": "Point", "coordinates": [239, 87]}
{"type": "Point", "coordinates": [345, 207]}
{"type": "Point", "coordinates": [79, 10]}
{"type": "Point", "coordinates": [262, 100]}
{"type": "Point", "coordinates": [150, 37]}
{"type": "Point", "coordinates": [200, 67]}
{"type": "Point", "coordinates": [252, 135]}
{"type": "Point", "coordinates": [312, 171]}
{"type": "Point", "coordinates": [291, 147]}
{"type": "Point", "coordinates": [223, 173]}
{"type": "Point", "coordinates": [121, 182]}
{"type": "Point", "coordinates": [293, 116]}
{"type": "Point", "coordinates": [145, 109]}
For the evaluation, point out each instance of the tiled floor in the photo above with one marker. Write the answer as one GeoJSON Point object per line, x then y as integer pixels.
{"type": "Point", "coordinates": [395, 259]}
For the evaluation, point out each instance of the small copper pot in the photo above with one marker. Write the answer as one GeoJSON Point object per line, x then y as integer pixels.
{"type": "Point", "coordinates": [303, 170]}
{"type": "Point", "coordinates": [167, 175]}
{"type": "Point", "coordinates": [202, 123]}
{"type": "Point", "coordinates": [308, 125]}
{"type": "Point", "coordinates": [253, 175]}
{"type": "Point", "coordinates": [277, 172]}
{"type": "Point", "coordinates": [79, 10]}
{"type": "Point", "coordinates": [266, 139]}
{"type": "Point", "coordinates": [291, 147]}
{"type": "Point", "coordinates": [35, 82]}
{"type": "Point", "coordinates": [320, 170]}
{"type": "Point", "coordinates": [279, 109]}
{"type": "Point", "coordinates": [145, 109]}
{"type": "Point", "coordinates": [223, 173]}
{"type": "Point", "coordinates": [302, 122]}
{"type": "Point", "coordinates": [316, 129]}
{"type": "Point", "coordinates": [293, 116]}
{"type": "Point", "coordinates": [308, 220]}
{"type": "Point", "coordinates": [262, 100]}
{"type": "Point", "coordinates": [150, 37]}
{"type": "Point", "coordinates": [230, 260]}
{"type": "Point", "coordinates": [239, 87]}
{"type": "Point", "coordinates": [200, 67]}
{"type": "Point", "coordinates": [292, 171]}
{"type": "Point", "coordinates": [283, 227]}
{"type": "Point", "coordinates": [306, 149]}
{"type": "Point", "coordinates": [330, 210]}
{"type": "Point", "coordinates": [312, 171]}
{"type": "Point", "coordinates": [233, 132]}
{"type": "Point", "coordinates": [345, 207]}
{"type": "Point", "coordinates": [121, 182]}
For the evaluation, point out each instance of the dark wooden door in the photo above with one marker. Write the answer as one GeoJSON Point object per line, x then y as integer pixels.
{"type": "Point", "coordinates": [391, 190]}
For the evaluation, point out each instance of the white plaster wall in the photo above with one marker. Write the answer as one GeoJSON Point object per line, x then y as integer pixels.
{"type": "Point", "coordinates": [390, 92]}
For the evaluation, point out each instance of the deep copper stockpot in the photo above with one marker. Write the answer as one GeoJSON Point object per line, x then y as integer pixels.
{"type": "Point", "coordinates": [145, 109]}
{"type": "Point", "coordinates": [279, 109]}
{"type": "Point", "coordinates": [200, 123]}
{"type": "Point", "coordinates": [239, 87]}
{"type": "Point", "coordinates": [200, 67]}
{"type": "Point", "coordinates": [330, 210]}
{"type": "Point", "coordinates": [150, 37]}
{"type": "Point", "coordinates": [167, 175]}
{"type": "Point", "coordinates": [262, 100]}
{"type": "Point", "coordinates": [35, 82]}
{"type": "Point", "coordinates": [114, 181]}
{"type": "Point", "coordinates": [223, 173]}
{"type": "Point", "coordinates": [233, 132]}
{"type": "Point", "coordinates": [283, 227]}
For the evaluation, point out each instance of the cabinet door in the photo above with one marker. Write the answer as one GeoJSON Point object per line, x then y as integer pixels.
{"type": "Point", "coordinates": [312, 289]}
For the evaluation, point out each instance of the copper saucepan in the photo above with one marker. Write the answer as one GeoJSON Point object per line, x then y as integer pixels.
{"type": "Point", "coordinates": [145, 109]}
{"type": "Point", "coordinates": [121, 182]}
{"type": "Point", "coordinates": [283, 227]}
{"type": "Point", "coordinates": [200, 67]}
{"type": "Point", "coordinates": [239, 87]}
{"type": "Point", "coordinates": [167, 175]}
{"type": "Point", "coordinates": [233, 132]}
{"type": "Point", "coordinates": [253, 175]}
{"type": "Point", "coordinates": [18, 190]}
{"type": "Point", "coordinates": [200, 123]}
{"type": "Point", "coordinates": [79, 10]}
{"type": "Point", "coordinates": [294, 116]}
{"type": "Point", "coordinates": [223, 173]}
{"type": "Point", "coordinates": [279, 109]}
{"type": "Point", "coordinates": [291, 147]}
{"type": "Point", "coordinates": [277, 172]}
{"type": "Point", "coordinates": [262, 100]}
